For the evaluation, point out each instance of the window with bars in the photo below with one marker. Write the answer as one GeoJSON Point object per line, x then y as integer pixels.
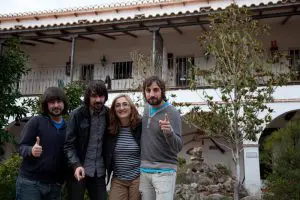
{"type": "Point", "coordinates": [183, 67]}
{"type": "Point", "coordinates": [87, 72]}
{"type": "Point", "coordinates": [122, 70]}
{"type": "Point", "coordinates": [295, 62]}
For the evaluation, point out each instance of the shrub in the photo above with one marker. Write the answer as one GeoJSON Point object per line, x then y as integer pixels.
{"type": "Point", "coordinates": [283, 147]}
{"type": "Point", "coordinates": [8, 172]}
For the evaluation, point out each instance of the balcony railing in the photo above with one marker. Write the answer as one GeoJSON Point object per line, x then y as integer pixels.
{"type": "Point", "coordinates": [37, 80]}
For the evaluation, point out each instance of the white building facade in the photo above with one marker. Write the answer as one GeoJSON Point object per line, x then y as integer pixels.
{"type": "Point", "coordinates": [96, 43]}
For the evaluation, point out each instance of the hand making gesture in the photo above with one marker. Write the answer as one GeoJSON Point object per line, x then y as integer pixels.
{"type": "Point", "coordinates": [37, 149]}
{"type": "Point", "coordinates": [165, 125]}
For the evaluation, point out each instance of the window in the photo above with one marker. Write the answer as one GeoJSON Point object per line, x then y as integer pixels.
{"type": "Point", "coordinates": [295, 62]}
{"type": "Point", "coordinates": [183, 67]}
{"type": "Point", "coordinates": [122, 70]}
{"type": "Point", "coordinates": [87, 72]}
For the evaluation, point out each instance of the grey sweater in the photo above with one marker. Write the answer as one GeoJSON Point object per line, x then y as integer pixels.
{"type": "Point", "coordinates": [158, 150]}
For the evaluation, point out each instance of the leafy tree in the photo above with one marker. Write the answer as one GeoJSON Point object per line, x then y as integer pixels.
{"type": "Point", "coordinates": [74, 92]}
{"type": "Point", "coordinates": [282, 150]}
{"type": "Point", "coordinates": [13, 65]}
{"type": "Point", "coordinates": [239, 71]}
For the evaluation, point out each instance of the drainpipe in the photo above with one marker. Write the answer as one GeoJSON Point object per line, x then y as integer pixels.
{"type": "Point", "coordinates": [72, 56]}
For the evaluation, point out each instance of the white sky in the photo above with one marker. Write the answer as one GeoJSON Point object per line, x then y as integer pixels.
{"type": "Point", "coordinates": [16, 6]}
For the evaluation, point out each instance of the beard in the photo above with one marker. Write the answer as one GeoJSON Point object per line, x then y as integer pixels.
{"type": "Point", "coordinates": [153, 101]}
{"type": "Point", "coordinates": [97, 107]}
{"type": "Point", "coordinates": [55, 112]}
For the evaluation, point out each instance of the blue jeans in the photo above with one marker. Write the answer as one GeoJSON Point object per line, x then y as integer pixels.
{"type": "Point", "coordinates": [157, 186]}
{"type": "Point", "coordinates": [34, 190]}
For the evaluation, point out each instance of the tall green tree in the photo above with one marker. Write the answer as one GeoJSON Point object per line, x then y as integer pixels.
{"type": "Point", "coordinates": [13, 65]}
{"type": "Point", "coordinates": [242, 78]}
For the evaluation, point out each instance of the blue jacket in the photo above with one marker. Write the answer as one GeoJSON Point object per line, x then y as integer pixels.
{"type": "Point", "coordinates": [50, 166]}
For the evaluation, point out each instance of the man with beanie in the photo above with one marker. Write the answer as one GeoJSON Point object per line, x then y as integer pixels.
{"type": "Point", "coordinates": [41, 146]}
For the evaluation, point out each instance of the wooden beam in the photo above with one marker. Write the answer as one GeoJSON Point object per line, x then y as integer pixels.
{"type": "Point", "coordinates": [63, 39]}
{"type": "Point", "coordinates": [42, 41]}
{"type": "Point", "coordinates": [57, 38]}
{"type": "Point", "coordinates": [27, 43]}
{"type": "Point", "coordinates": [286, 19]}
{"type": "Point", "coordinates": [218, 146]}
{"type": "Point", "coordinates": [114, 27]}
{"type": "Point", "coordinates": [141, 24]}
{"type": "Point", "coordinates": [201, 25]}
{"type": "Point", "coordinates": [79, 36]}
{"type": "Point", "coordinates": [130, 34]}
{"type": "Point", "coordinates": [174, 27]}
{"type": "Point", "coordinates": [86, 38]}
{"type": "Point", "coordinates": [108, 36]}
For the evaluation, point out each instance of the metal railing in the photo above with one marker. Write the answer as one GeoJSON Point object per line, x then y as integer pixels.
{"type": "Point", "coordinates": [37, 80]}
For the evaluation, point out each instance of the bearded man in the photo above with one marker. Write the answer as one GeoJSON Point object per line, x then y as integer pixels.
{"type": "Point", "coordinates": [41, 146]}
{"type": "Point", "coordinates": [160, 143]}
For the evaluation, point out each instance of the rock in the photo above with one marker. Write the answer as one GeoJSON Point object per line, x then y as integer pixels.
{"type": "Point", "coordinates": [215, 197]}
{"type": "Point", "coordinates": [201, 181]}
{"type": "Point", "coordinates": [221, 180]}
{"type": "Point", "coordinates": [204, 180]}
{"type": "Point", "coordinates": [228, 185]}
{"type": "Point", "coordinates": [213, 188]}
{"type": "Point", "coordinates": [250, 198]}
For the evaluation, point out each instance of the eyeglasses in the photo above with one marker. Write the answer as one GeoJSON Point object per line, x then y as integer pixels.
{"type": "Point", "coordinates": [121, 105]}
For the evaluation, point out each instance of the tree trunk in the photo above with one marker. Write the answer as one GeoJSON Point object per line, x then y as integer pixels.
{"type": "Point", "coordinates": [237, 175]}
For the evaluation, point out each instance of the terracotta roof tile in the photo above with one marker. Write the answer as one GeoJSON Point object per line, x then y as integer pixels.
{"type": "Point", "coordinates": [118, 5]}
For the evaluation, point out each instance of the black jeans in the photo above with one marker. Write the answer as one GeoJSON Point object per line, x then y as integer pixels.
{"type": "Point", "coordinates": [95, 186]}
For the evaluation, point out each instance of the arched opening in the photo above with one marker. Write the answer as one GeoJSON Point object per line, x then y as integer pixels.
{"type": "Point", "coordinates": [276, 124]}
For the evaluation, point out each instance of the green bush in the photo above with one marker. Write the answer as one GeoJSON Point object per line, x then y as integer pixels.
{"type": "Point", "coordinates": [8, 172]}
{"type": "Point", "coordinates": [283, 147]}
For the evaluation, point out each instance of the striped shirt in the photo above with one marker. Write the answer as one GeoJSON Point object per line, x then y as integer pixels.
{"type": "Point", "coordinates": [126, 156]}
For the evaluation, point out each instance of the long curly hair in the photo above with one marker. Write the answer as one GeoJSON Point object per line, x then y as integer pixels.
{"type": "Point", "coordinates": [114, 121]}
{"type": "Point", "coordinates": [97, 87]}
{"type": "Point", "coordinates": [53, 93]}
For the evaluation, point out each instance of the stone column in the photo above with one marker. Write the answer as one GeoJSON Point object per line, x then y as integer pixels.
{"type": "Point", "coordinates": [251, 169]}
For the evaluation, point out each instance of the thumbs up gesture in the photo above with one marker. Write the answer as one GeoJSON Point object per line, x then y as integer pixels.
{"type": "Point", "coordinates": [165, 125]}
{"type": "Point", "coordinates": [37, 149]}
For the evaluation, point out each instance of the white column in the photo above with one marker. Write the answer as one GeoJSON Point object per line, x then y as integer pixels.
{"type": "Point", "coordinates": [251, 169]}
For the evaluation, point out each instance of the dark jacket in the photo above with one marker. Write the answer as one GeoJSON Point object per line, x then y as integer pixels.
{"type": "Point", "coordinates": [50, 166]}
{"type": "Point", "coordinates": [110, 147]}
{"type": "Point", "coordinates": [78, 134]}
